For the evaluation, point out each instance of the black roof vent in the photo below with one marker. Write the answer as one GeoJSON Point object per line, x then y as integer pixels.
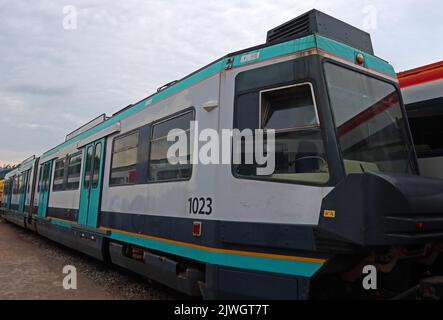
{"type": "Point", "coordinates": [316, 22]}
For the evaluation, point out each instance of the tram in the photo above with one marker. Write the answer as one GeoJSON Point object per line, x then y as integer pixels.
{"type": "Point", "coordinates": [345, 192]}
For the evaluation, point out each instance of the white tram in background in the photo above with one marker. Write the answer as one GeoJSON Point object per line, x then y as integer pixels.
{"type": "Point", "coordinates": [422, 90]}
{"type": "Point", "coordinates": [345, 191]}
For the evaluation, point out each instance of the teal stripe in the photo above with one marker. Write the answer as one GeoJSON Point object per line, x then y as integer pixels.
{"type": "Point", "coordinates": [278, 50]}
{"type": "Point", "coordinates": [291, 267]}
{"type": "Point", "coordinates": [349, 53]}
{"type": "Point", "coordinates": [284, 266]}
{"type": "Point", "coordinates": [309, 42]}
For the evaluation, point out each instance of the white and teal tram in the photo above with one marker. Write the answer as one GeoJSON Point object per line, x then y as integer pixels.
{"type": "Point", "coordinates": [345, 193]}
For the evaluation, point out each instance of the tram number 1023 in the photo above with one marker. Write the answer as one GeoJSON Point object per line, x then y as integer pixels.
{"type": "Point", "coordinates": [200, 205]}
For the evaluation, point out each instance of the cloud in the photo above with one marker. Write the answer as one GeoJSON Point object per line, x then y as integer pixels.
{"type": "Point", "coordinates": [53, 80]}
{"type": "Point", "coordinates": [42, 89]}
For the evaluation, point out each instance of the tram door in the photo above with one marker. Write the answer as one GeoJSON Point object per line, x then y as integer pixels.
{"type": "Point", "coordinates": [92, 178]}
{"type": "Point", "coordinates": [24, 186]}
{"type": "Point", "coordinates": [45, 185]}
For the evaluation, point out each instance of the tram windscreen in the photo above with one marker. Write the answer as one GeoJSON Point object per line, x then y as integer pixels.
{"type": "Point", "coordinates": [371, 128]}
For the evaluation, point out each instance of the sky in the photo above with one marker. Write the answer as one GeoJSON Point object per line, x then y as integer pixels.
{"type": "Point", "coordinates": [62, 63]}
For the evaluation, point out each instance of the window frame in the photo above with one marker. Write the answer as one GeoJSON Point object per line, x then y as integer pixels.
{"type": "Point", "coordinates": [157, 122]}
{"type": "Point", "coordinates": [313, 86]}
{"type": "Point", "coordinates": [121, 136]}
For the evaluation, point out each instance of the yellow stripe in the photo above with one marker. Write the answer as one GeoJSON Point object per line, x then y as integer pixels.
{"type": "Point", "coordinates": [247, 253]}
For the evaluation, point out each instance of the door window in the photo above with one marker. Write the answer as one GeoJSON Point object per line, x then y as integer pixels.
{"type": "Point", "coordinates": [88, 168]}
{"type": "Point", "coordinates": [97, 160]}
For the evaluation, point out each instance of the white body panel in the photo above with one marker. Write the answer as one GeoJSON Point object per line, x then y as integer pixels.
{"type": "Point", "coordinates": [64, 199]}
{"type": "Point", "coordinates": [168, 198]}
{"type": "Point", "coordinates": [234, 199]}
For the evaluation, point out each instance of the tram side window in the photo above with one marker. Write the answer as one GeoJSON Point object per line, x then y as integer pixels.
{"type": "Point", "coordinates": [427, 133]}
{"type": "Point", "coordinates": [299, 149]}
{"type": "Point", "coordinates": [124, 159]}
{"type": "Point", "coordinates": [59, 175]}
{"type": "Point", "coordinates": [160, 169]}
{"type": "Point", "coordinates": [74, 169]}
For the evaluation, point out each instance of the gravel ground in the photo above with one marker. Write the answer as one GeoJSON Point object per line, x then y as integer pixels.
{"type": "Point", "coordinates": [22, 251]}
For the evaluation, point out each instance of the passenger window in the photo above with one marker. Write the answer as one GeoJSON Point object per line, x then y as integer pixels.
{"type": "Point", "coordinates": [59, 175]}
{"type": "Point", "coordinates": [74, 170]}
{"type": "Point", "coordinates": [97, 160]}
{"type": "Point", "coordinates": [299, 149]}
{"type": "Point", "coordinates": [159, 167]}
{"type": "Point", "coordinates": [124, 160]}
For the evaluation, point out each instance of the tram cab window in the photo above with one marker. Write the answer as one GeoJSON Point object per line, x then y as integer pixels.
{"type": "Point", "coordinates": [371, 128]}
{"type": "Point", "coordinates": [299, 149]}
{"type": "Point", "coordinates": [160, 169]}
{"type": "Point", "coordinates": [59, 175]}
{"type": "Point", "coordinates": [124, 159]}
